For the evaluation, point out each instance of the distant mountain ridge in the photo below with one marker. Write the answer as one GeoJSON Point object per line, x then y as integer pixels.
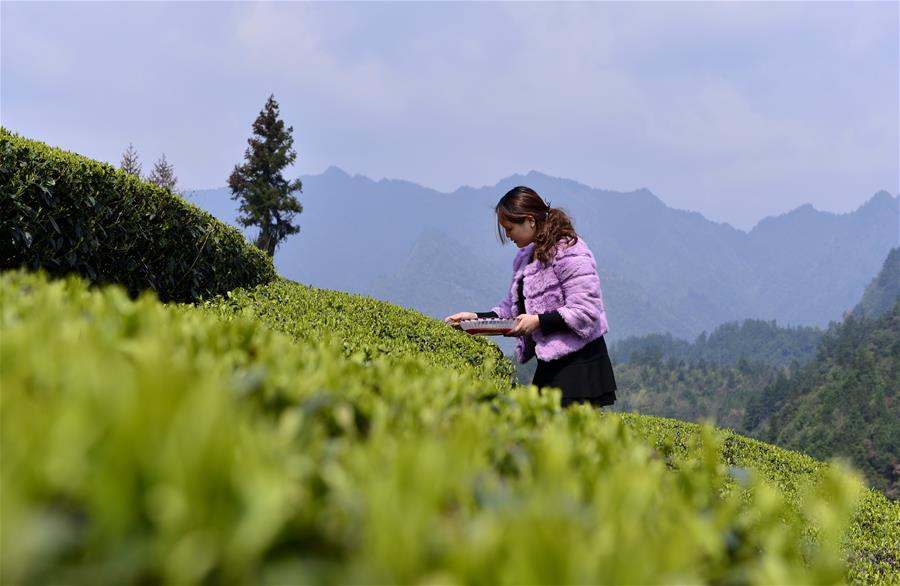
{"type": "Point", "coordinates": [662, 269]}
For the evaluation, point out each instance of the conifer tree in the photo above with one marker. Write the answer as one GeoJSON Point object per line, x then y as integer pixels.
{"type": "Point", "coordinates": [163, 174]}
{"type": "Point", "coordinates": [130, 162]}
{"type": "Point", "coordinates": [266, 197]}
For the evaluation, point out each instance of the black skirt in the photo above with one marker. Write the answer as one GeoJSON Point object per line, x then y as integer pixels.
{"type": "Point", "coordinates": [584, 376]}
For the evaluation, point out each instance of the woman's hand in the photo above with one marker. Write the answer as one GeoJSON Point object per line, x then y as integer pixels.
{"type": "Point", "coordinates": [525, 324]}
{"type": "Point", "coordinates": [458, 317]}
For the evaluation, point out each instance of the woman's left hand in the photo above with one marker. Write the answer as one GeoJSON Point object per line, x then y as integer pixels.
{"type": "Point", "coordinates": [525, 324]}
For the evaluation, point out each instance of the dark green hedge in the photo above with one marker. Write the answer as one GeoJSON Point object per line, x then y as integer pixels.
{"type": "Point", "coordinates": [66, 213]}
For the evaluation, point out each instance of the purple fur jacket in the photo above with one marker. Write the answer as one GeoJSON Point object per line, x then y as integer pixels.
{"type": "Point", "coordinates": [570, 285]}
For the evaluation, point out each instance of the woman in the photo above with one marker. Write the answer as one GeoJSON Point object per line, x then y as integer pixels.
{"type": "Point", "coordinates": [555, 299]}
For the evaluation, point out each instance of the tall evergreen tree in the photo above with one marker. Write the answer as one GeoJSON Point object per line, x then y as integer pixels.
{"type": "Point", "coordinates": [266, 196]}
{"type": "Point", "coordinates": [163, 174]}
{"type": "Point", "coordinates": [130, 162]}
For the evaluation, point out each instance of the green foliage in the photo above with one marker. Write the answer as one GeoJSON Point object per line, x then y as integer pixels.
{"type": "Point", "coordinates": [872, 544]}
{"type": "Point", "coordinates": [753, 340]}
{"type": "Point", "coordinates": [163, 174]}
{"type": "Point", "coordinates": [131, 162]}
{"type": "Point", "coordinates": [768, 399]}
{"type": "Point", "coordinates": [847, 402]}
{"type": "Point", "coordinates": [266, 197]}
{"type": "Point", "coordinates": [844, 400]}
{"type": "Point", "coordinates": [364, 327]}
{"type": "Point", "coordinates": [68, 214]}
{"type": "Point", "coordinates": [875, 541]}
{"type": "Point", "coordinates": [692, 392]}
{"type": "Point", "coordinates": [169, 445]}
{"type": "Point", "coordinates": [843, 403]}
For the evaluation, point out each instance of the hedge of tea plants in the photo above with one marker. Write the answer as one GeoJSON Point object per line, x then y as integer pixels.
{"type": "Point", "coordinates": [364, 327]}
{"type": "Point", "coordinates": [65, 213]}
{"type": "Point", "coordinates": [181, 444]}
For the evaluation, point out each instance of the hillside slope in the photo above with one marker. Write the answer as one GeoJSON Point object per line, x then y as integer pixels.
{"type": "Point", "coordinates": [194, 444]}
{"type": "Point", "coordinates": [847, 401]}
{"type": "Point", "coordinates": [753, 341]}
{"type": "Point", "coordinates": [884, 290]}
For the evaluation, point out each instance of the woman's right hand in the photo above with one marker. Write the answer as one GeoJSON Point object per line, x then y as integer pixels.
{"type": "Point", "coordinates": [454, 319]}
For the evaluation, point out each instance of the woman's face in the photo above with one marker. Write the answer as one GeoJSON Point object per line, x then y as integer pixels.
{"type": "Point", "coordinates": [522, 234]}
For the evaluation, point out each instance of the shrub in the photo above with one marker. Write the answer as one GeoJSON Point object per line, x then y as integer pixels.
{"type": "Point", "coordinates": [166, 445]}
{"type": "Point", "coordinates": [65, 213]}
{"type": "Point", "coordinates": [363, 326]}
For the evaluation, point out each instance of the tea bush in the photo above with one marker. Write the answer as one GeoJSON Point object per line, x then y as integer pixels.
{"type": "Point", "coordinates": [167, 444]}
{"type": "Point", "coordinates": [366, 327]}
{"type": "Point", "coordinates": [65, 213]}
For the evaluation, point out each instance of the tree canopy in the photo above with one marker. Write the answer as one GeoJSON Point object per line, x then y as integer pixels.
{"type": "Point", "coordinates": [266, 197]}
{"type": "Point", "coordinates": [163, 174]}
{"type": "Point", "coordinates": [131, 163]}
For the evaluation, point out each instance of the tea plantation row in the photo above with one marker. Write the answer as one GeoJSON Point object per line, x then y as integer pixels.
{"type": "Point", "coordinates": [65, 213]}
{"type": "Point", "coordinates": [183, 444]}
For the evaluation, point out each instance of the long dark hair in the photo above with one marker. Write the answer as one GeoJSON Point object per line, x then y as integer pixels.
{"type": "Point", "coordinates": [551, 225]}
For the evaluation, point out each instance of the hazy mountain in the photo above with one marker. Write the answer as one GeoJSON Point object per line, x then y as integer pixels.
{"type": "Point", "coordinates": [798, 251]}
{"type": "Point", "coordinates": [425, 284]}
{"type": "Point", "coordinates": [884, 290]}
{"type": "Point", "coordinates": [461, 276]}
{"type": "Point", "coordinates": [662, 270]}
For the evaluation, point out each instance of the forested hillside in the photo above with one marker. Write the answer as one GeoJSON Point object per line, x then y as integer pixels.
{"type": "Point", "coordinates": [691, 392]}
{"type": "Point", "coordinates": [754, 341]}
{"type": "Point", "coordinates": [826, 394]}
{"type": "Point", "coordinates": [845, 403]}
{"type": "Point", "coordinates": [712, 378]}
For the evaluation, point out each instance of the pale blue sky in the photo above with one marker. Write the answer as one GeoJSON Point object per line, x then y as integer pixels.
{"type": "Point", "coordinates": [735, 110]}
